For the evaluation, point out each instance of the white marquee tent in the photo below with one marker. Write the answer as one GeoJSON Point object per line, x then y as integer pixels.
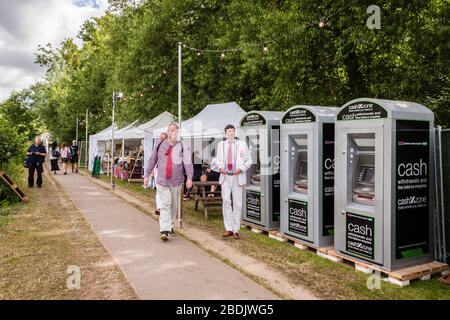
{"type": "Point", "coordinates": [133, 133]}
{"type": "Point", "coordinates": [97, 144]}
{"type": "Point", "coordinates": [202, 133]}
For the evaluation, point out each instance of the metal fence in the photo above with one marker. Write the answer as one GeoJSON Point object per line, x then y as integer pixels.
{"type": "Point", "coordinates": [83, 158]}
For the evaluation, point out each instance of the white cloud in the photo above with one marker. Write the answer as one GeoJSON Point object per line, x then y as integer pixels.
{"type": "Point", "coordinates": [26, 24]}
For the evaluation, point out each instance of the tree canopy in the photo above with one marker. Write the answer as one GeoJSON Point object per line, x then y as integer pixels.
{"type": "Point", "coordinates": [280, 57]}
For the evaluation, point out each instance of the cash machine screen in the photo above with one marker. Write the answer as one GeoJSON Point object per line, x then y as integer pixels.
{"type": "Point", "coordinates": [303, 170]}
{"type": "Point", "coordinates": [364, 180]}
{"type": "Point", "coordinates": [301, 179]}
{"type": "Point", "coordinates": [367, 175]}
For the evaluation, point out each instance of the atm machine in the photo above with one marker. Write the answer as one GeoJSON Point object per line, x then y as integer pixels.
{"type": "Point", "coordinates": [261, 201]}
{"type": "Point", "coordinates": [384, 180]}
{"type": "Point", "coordinates": [307, 174]}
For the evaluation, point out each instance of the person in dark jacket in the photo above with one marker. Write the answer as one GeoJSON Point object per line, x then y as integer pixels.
{"type": "Point", "coordinates": [36, 153]}
{"type": "Point", "coordinates": [74, 156]}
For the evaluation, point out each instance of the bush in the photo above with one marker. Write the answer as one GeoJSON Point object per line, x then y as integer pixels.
{"type": "Point", "coordinates": [12, 152]}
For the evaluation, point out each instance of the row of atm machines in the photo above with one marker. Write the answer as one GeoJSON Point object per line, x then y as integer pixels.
{"type": "Point", "coordinates": [357, 177]}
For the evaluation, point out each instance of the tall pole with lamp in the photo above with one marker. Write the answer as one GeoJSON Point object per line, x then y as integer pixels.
{"type": "Point", "coordinates": [86, 143]}
{"type": "Point", "coordinates": [76, 139]}
{"type": "Point", "coordinates": [76, 132]}
{"type": "Point", "coordinates": [180, 202]}
{"type": "Point", "coordinates": [118, 96]}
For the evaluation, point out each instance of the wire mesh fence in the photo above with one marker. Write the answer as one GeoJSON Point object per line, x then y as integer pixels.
{"type": "Point", "coordinates": [443, 178]}
{"type": "Point", "coordinates": [83, 154]}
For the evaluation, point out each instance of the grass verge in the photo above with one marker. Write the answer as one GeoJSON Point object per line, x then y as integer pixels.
{"type": "Point", "coordinates": [326, 279]}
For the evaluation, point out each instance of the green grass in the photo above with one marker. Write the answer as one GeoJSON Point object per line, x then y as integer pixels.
{"type": "Point", "coordinates": [6, 215]}
{"type": "Point", "coordinates": [327, 279]}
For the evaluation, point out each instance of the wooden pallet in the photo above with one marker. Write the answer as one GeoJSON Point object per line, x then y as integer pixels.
{"type": "Point", "coordinates": [302, 245]}
{"type": "Point", "coordinates": [255, 228]}
{"type": "Point", "coordinates": [446, 279]}
{"type": "Point", "coordinates": [13, 186]}
{"type": "Point", "coordinates": [400, 277]}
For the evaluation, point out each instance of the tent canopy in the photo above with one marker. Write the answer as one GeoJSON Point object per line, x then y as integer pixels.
{"type": "Point", "coordinates": [161, 121]}
{"type": "Point", "coordinates": [211, 121]}
{"type": "Point", "coordinates": [136, 131]}
{"type": "Point", "coordinates": [105, 134]}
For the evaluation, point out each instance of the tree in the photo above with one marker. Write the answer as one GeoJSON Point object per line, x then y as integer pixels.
{"type": "Point", "coordinates": [280, 57]}
{"type": "Point", "coordinates": [19, 110]}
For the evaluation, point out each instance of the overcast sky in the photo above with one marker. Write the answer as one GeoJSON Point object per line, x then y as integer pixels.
{"type": "Point", "coordinates": [25, 24]}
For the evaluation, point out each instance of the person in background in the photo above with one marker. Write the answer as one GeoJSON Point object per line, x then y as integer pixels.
{"type": "Point", "coordinates": [64, 156]}
{"type": "Point", "coordinates": [233, 160]}
{"type": "Point", "coordinates": [74, 153]}
{"type": "Point", "coordinates": [212, 176]}
{"type": "Point", "coordinates": [209, 171]}
{"type": "Point", "coordinates": [36, 153]}
{"type": "Point", "coordinates": [171, 157]}
{"type": "Point", "coordinates": [54, 156]}
{"type": "Point", "coordinates": [198, 173]}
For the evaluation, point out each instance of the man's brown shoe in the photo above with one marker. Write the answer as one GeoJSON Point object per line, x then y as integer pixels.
{"type": "Point", "coordinates": [236, 236]}
{"type": "Point", "coordinates": [227, 234]}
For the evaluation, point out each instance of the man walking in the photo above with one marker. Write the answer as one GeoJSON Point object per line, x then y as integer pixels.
{"type": "Point", "coordinates": [36, 153]}
{"type": "Point", "coordinates": [171, 158]}
{"type": "Point", "coordinates": [233, 160]}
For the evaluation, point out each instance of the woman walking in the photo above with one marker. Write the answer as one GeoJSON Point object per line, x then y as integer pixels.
{"type": "Point", "coordinates": [65, 154]}
{"type": "Point", "coordinates": [74, 156]}
{"type": "Point", "coordinates": [54, 156]}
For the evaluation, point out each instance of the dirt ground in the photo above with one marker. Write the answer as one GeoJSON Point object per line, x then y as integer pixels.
{"type": "Point", "coordinates": [43, 240]}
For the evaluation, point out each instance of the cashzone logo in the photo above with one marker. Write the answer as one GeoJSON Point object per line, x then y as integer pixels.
{"type": "Point", "coordinates": [412, 200]}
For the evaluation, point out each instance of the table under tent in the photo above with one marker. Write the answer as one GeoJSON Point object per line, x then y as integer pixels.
{"type": "Point", "coordinates": [128, 147]}
{"type": "Point", "coordinates": [202, 133]}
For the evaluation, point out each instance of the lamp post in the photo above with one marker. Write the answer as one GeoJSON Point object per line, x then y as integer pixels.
{"type": "Point", "coordinates": [76, 132]}
{"type": "Point", "coordinates": [76, 139]}
{"type": "Point", "coordinates": [118, 96]}
{"type": "Point", "coordinates": [86, 149]}
{"type": "Point", "coordinates": [180, 202]}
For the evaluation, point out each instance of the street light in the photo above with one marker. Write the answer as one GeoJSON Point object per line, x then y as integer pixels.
{"type": "Point", "coordinates": [115, 96]}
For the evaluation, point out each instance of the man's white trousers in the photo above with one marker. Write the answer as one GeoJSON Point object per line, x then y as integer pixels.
{"type": "Point", "coordinates": [232, 210]}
